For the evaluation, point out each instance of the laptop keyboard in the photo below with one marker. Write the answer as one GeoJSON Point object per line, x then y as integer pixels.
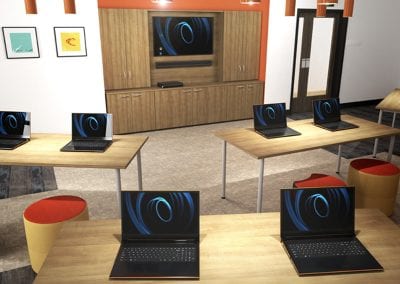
{"type": "Point", "coordinates": [159, 254]}
{"type": "Point", "coordinates": [324, 248]}
{"type": "Point", "coordinates": [6, 143]}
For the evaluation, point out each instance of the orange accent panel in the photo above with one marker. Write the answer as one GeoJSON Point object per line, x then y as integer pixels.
{"type": "Point", "coordinates": [30, 7]}
{"type": "Point", "coordinates": [69, 7]}
{"type": "Point", "coordinates": [348, 8]}
{"type": "Point", "coordinates": [203, 5]}
{"type": "Point", "coordinates": [290, 9]}
{"type": "Point", "coordinates": [321, 9]}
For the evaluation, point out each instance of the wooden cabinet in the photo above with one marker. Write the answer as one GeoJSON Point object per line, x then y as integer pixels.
{"type": "Point", "coordinates": [125, 48]}
{"type": "Point", "coordinates": [241, 45]}
{"type": "Point", "coordinates": [132, 111]}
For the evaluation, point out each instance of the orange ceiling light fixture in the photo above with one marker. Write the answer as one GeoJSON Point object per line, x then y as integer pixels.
{"type": "Point", "coordinates": [69, 7]}
{"type": "Point", "coordinates": [290, 8]}
{"type": "Point", "coordinates": [30, 7]}
{"type": "Point", "coordinates": [161, 2]}
{"type": "Point", "coordinates": [250, 2]}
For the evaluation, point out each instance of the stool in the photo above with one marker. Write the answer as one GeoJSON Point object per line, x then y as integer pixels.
{"type": "Point", "coordinates": [317, 180]}
{"type": "Point", "coordinates": [44, 219]}
{"type": "Point", "coordinates": [376, 183]}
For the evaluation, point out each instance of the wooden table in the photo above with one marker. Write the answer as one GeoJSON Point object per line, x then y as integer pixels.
{"type": "Point", "coordinates": [44, 150]}
{"type": "Point", "coordinates": [241, 248]}
{"type": "Point", "coordinates": [312, 137]}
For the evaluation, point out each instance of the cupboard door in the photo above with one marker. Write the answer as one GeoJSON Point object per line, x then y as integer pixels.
{"type": "Point", "coordinates": [112, 31]}
{"type": "Point", "coordinates": [216, 104]}
{"type": "Point", "coordinates": [173, 108]}
{"type": "Point", "coordinates": [119, 106]}
{"type": "Point", "coordinates": [236, 98]}
{"type": "Point", "coordinates": [254, 96]}
{"type": "Point", "coordinates": [137, 48]}
{"type": "Point", "coordinates": [251, 48]}
{"type": "Point", "coordinates": [200, 113]}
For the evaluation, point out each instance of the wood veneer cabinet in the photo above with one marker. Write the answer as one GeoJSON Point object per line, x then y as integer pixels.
{"type": "Point", "coordinates": [132, 111]}
{"type": "Point", "coordinates": [241, 45]}
{"type": "Point", "coordinates": [125, 47]}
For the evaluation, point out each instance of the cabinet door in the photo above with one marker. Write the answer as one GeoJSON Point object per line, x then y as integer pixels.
{"type": "Point", "coordinates": [112, 31]}
{"type": "Point", "coordinates": [173, 107]}
{"type": "Point", "coordinates": [241, 45]}
{"type": "Point", "coordinates": [200, 112]}
{"type": "Point", "coordinates": [216, 104]}
{"type": "Point", "coordinates": [137, 48]}
{"type": "Point", "coordinates": [132, 111]}
{"type": "Point", "coordinates": [254, 96]}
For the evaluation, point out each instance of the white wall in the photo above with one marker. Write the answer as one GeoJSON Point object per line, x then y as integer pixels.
{"type": "Point", "coordinates": [52, 87]}
{"type": "Point", "coordinates": [371, 66]}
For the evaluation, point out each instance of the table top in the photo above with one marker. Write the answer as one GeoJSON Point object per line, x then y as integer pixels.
{"type": "Point", "coordinates": [391, 102]}
{"type": "Point", "coordinates": [312, 137]}
{"type": "Point", "coordinates": [239, 248]}
{"type": "Point", "coordinates": [44, 150]}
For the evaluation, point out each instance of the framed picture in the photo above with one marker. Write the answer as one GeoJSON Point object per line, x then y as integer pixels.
{"type": "Point", "coordinates": [70, 41]}
{"type": "Point", "coordinates": [21, 42]}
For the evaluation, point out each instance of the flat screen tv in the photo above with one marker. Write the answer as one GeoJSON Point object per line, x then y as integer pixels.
{"type": "Point", "coordinates": [173, 36]}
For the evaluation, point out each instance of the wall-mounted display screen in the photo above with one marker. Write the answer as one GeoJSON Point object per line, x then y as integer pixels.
{"type": "Point", "coordinates": [174, 36]}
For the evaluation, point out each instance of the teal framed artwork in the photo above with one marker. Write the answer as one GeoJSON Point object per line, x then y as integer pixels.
{"type": "Point", "coordinates": [21, 42]}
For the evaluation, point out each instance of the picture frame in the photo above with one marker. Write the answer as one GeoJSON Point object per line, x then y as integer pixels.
{"type": "Point", "coordinates": [21, 42]}
{"type": "Point", "coordinates": [70, 41]}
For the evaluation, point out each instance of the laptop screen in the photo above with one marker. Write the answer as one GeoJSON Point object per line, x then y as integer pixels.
{"type": "Point", "coordinates": [317, 212]}
{"type": "Point", "coordinates": [160, 214]}
{"type": "Point", "coordinates": [327, 110]}
{"type": "Point", "coordinates": [15, 124]}
{"type": "Point", "coordinates": [269, 116]}
{"type": "Point", "coordinates": [92, 125]}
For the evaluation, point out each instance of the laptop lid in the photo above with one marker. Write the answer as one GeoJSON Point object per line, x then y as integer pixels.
{"type": "Point", "coordinates": [14, 124]}
{"type": "Point", "coordinates": [316, 212]}
{"type": "Point", "coordinates": [97, 126]}
{"type": "Point", "coordinates": [160, 215]}
{"type": "Point", "coordinates": [326, 110]}
{"type": "Point", "coordinates": [269, 116]}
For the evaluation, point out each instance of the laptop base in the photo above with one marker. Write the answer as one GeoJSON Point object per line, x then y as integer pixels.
{"type": "Point", "coordinates": [11, 144]}
{"type": "Point", "coordinates": [278, 132]}
{"type": "Point", "coordinates": [87, 146]}
{"type": "Point", "coordinates": [337, 125]}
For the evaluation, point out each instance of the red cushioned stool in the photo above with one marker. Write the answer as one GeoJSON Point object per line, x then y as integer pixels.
{"type": "Point", "coordinates": [43, 220]}
{"type": "Point", "coordinates": [318, 180]}
{"type": "Point", "coordinates": [376, 183]}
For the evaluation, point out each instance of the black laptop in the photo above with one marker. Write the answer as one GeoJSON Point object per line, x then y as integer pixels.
{"type": "Point", "coordinates": [327, 115]}
{"type": "Point", "coordinates": [270, 121]}
{"type": "Point", "coordinates": [91, 132]}
{"type": "Point", "coordinates": [317, 230]}
{"type": "Point", "coordinates": [15, 129]}
{"type": "Point", "coordinates": [160, 236]}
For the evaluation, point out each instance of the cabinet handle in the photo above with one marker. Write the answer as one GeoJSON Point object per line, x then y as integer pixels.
{"type": "Point", "coordinates": [250, 86]}
{"type": "Point", "coordinates": [197, 90]}
{"type": "Point", "coordinates": [186, 91]}
{"type": "Point", "coordinates": [240, 68]}
{"type": "Point", "coordinates": [124, 74]}
{"type": "Point", "coordinates": [125, 97]}
{"type": "Point", "coordinates": [136, 94]}
{"type": "Point", "coordinates": [240, 87]}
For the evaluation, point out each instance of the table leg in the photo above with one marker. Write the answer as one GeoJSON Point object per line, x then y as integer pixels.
{"type": "Point", "coordinates": [139, 170]}
{"type": "Point", "coordinates": [391, 146]}
{"type": "Point", "coordinates": [119, 187]}
{"type": "Point", "coordinates": [223, 170]}
{"type": "Point", "coordinates": [260, 186]}
{"type": "Point", "coordinates": [339, 158]}
{"type": "Point", "coordinates": [377, 139]}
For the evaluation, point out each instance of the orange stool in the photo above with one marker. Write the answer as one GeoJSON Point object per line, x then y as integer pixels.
{"type": "Point", "coordinates": [44, 219]}
{"type": "Point", "coordinates": [376, 183]}
{"type": "Point", "coordinates": [317, 180]}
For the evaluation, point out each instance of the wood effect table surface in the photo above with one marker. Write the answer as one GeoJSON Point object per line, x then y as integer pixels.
{"type": "Point", "coordinates": [239, 248]}
{"type": "Point", "coordinates": [312, 137]}
{"type": "Point", "coordinates": [44, 150]}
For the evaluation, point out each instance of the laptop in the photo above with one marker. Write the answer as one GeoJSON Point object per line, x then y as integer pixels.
{"type": "Point", "coordinates": [327, 115]}
{"type": "Point", "coordinates": [317, 231]}
{"type": "Point", "coordinates": [270, 121]}
{"type": "Point", "coordinates": [160, 236]}
{"type": "Point", "coordinates": [91, 132]}
{"type": "Point", "coordinates": [15, 129]}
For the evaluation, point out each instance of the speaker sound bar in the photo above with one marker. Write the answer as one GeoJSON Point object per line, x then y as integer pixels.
{"type": "Point", "coordinates": [179, 64]}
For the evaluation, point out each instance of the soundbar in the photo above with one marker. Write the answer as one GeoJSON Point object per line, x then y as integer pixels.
{"type": "Point", "coordinates": [178, 64]}
{"type": "Point", "coordinates": [170, 84]}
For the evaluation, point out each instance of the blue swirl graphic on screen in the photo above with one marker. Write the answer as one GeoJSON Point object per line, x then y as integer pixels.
{"type": "Point", "coordinates": [307, 210]}
{"type": "Point", "coordinates": [326, 109]}
{"type": "Point", "coordinates": [157, 213]}
{"type": "Point", "coordinates": [271, 113]}
{"type": "Point", "coordinates": [89, 125]}
{"type": "Point", "coordinates": [12, 123]}
{"type": "Point", "coordinates": [182, 35]}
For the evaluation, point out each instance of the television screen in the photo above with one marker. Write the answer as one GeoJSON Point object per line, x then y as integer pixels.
{"type": "Point", "coordinates": [182, 35]}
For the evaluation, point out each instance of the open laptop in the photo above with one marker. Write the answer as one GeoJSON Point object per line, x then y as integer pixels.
{"type": "Point", "coordinates": [160, 236]}
{"type": "Point", "coordinates": [270, 121]}
{"type": "Point", "coordinates": [91, 132]}
{"type": "Point", "coordinates": [317, 230]}
{"type": "Point", "coordinates": [327, 115]}
{"type": "Point", "coordinates": [15, 129]}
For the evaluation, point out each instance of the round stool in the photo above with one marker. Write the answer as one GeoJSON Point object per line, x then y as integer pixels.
{"type": "Point", "coordinates": [317, 180]}
{"type": "Point", "coordinates": [43, 220]}
{"type": "Point", "coordinates": [376, 183]}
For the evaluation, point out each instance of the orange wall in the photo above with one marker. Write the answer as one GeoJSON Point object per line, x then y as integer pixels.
{"type": "Point", "coordinates": [208, 5]}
